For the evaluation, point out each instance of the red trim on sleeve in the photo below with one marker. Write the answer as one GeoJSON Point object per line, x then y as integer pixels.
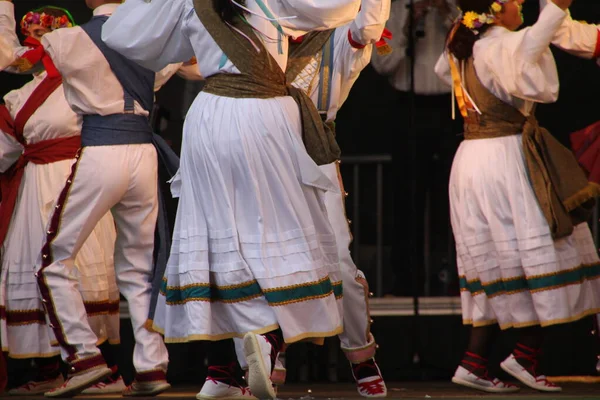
{"type": "Point", "coordinates": [354, 43]}
{"type": "Point", "coordinates": [597, 51]}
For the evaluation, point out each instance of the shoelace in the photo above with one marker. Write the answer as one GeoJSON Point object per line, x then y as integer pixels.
{"type": "Point", "coordinates": [105, 383]}
{"type": "Point", "coordinates": [484, 374]}
{"type": "Point", "coordinates": [372, 387]}
{"type": "Point", "coordinates": [228, 379]}
{"type": "Point", "coordinates": [532, 358]}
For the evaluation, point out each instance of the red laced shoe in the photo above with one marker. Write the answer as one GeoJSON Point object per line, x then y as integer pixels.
{"type": "Point", "coordinates": [528, 375]}
{"type": "Point", "coordinates": [369, 381]}
{"type": "Point", "coordinates": [220, 384]}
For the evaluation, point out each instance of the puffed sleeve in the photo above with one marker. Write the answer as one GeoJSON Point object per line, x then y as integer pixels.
{"type": "Point", "coordinates": [368, 25]}
{"type": "Point", "coordinates": [311, 15]}
{"type": "Point", "coordinates": [520, 64]}
{"type": "Point", "coordinates": [150, 33]}
{"type": "Point", "coordinates": [10, 48]}
{"type": "Point", "coordinates": [578, 38]}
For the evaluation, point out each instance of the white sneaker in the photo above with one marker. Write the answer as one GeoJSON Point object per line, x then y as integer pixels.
{"type": "Point", "coordinates": [76, 383]}
{"type": "Point", "coordinates": [33, 387]}
{"type": "Point", "coordinates": [258, 355]}
{"type": "Point", "coordinates": [140, 389]}
{"type": "Point", "coordinates": [464, 377]}
{"type": "Point", "coordinates": [213, 389]}
{"type": "Point", "coordinates": [106, 386]}
{"type": "Point", "coordinates": [370, 386]}
{"type": "Point", "coordinates": [512, 366]}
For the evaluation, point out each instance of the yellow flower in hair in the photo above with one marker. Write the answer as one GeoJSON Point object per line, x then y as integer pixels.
{"type": "Point", "coordinates": [496, 7]}
{"type": "Point", "coordinates": [469, 19]}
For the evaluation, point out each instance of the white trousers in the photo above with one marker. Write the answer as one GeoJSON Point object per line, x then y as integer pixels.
{"type": "Point", "coordinates": [356, 340]}
{"type": "Point", "coordinates": [121, 179]}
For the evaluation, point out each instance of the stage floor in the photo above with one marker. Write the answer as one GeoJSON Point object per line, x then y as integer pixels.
{"type": "Point", "coordinates": [401, 390]}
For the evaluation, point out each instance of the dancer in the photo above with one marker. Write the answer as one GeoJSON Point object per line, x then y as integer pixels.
{"type": "Point", "coordinates": [116, 171]}
{"type": "Point", "coordinates": [325, 65]}
{"type": "Point", "coordinates": [253, 254]}
{"type": "Point", "coordinates": [519, 201]}
{"type": "Point", "coordinates": [39, 136]}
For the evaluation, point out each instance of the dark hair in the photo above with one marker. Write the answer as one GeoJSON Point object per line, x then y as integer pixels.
{"type": "Point", "coordinates": [461, 45]}
{"type": "Point", "coordinates": [227, 10]}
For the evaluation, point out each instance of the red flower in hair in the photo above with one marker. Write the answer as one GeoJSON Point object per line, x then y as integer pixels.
{"type": "Point", "coordinates": [47, 20]}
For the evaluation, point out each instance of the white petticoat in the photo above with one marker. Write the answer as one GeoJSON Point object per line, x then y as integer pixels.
{"type": "Point", "coordinates": [511, 271]}
{"type": "Point", "coordinates": [252, 246]}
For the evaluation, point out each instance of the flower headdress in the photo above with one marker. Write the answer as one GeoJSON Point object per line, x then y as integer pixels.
{"type": "Point", "coordinates": [474, 21]}
{"type": "Point", "coordinates": [39, 17]}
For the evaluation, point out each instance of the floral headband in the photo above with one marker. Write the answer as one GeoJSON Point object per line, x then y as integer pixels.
{"type": "Point", "coordinates": [51, 22]}
{"type": "Point", "coordinates": [474, 21]}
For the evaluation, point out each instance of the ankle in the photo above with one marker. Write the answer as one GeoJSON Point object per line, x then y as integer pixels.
{"type": "Point", "coordinates": [228, 374]}
{"type": "Point", "coordinates": [527, 357]}
{"type": "Point", "coordinates": [365, 369]}
{"type": "Point", "coordinates": [475, 364]}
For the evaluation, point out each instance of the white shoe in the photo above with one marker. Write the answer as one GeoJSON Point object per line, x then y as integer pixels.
{"type": "Point", "coordinates": [258, 355]}
{"type": "Point", "coordinates": [370, 386]}
{"type": "Point", "coordinates": [464, 377]}
{"type": "Point", "coordinates": [512, 366]}
{"type": "Point", "coordinates": [76, 383]}
{"type": "Point", "coordinates": [213, 389]}
{"type": "Point", "coordinates": [141, 389]}
{"type": "Point", "coordinates": [106, 386]}
{"type": "Point", "coordinates": [33, 387]}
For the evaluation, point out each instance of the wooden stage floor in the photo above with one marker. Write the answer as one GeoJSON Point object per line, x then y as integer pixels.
{"type": "Point", "coordinates": [400, 390]}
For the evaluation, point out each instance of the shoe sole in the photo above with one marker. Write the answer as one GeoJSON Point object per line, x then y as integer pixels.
{"type": "Point", "coordinates": [205, 397]}
{"type": "Point", "coordinates": [259, 379]}
{"type": "Point", "coordinates": [471, 385]}
{"type": "Point", "coordinates": [524, 382]}
{"type": "Point", "coordinates": [157, 390]}
{"type": "Point", "coordinates": [71, 392]}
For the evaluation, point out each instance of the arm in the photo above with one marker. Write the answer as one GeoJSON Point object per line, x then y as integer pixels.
{"type": "Point", "coordinates": [150, 33]}
{"type": "Point", "coordinates": [313, 15]}
{"type": "Point", "coordinates": [368, 25]}
{"type": "Point", "coordinates": [387, 64]}
{"type": "Point", "coordinates": [578, 38]}
{"type": "Point", "coordinates": [188, 71]}
{"type": "Point", "coordinates": [10, 48]}
{"type": "Point", "coordinates": [354, 42]}
{"type": "Point", "coordinates": [520, 64]}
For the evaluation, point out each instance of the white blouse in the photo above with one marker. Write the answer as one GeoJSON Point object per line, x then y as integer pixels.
{"type": "Point", "coordinates": [576, 37]}
{"type": "Point", "coordinates": [517, 67]}
{"type": "Point", "coordinates": [161, 32]}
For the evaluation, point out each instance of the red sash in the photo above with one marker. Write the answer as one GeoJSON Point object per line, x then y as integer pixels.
{"type": "Point", "coordinates": [43, 152]}
{"type": "Point", "coordinates": [585, 144]}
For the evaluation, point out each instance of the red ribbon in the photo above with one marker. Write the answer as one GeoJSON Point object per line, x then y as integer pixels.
{"type": "Point", "coordinates": [37, 54]}
{"type": "Point", "coordinates": [385, 35]}
{"type": "Point", "coordinates": [381, 42]}
{"type": "Point", "coordinates": [43, 152]}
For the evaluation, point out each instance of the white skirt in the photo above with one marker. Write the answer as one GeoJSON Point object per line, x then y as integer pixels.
{"type": "Point", "coordinates": [252, 246]}
{"type": "Point", "coordinates": [511, 270]}
{"type": "Point", "coordinates": [23, 329]}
